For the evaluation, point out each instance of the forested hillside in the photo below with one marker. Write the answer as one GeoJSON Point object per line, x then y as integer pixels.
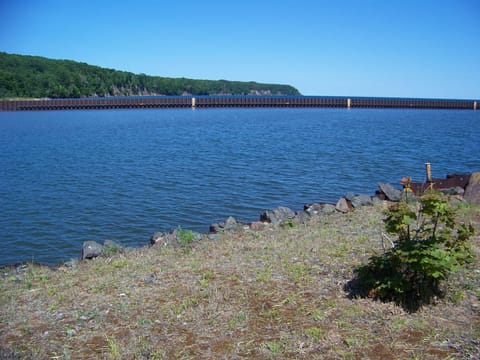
{"type": "Point", "coordinates": [24, 76]}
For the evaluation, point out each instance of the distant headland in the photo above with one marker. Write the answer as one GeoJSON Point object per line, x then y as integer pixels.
{"type": "Point", "coordinates": [23, 76]}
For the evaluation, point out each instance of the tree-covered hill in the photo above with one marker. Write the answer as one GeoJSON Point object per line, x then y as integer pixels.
{"type": "Point", "coordinates": [24, 76]}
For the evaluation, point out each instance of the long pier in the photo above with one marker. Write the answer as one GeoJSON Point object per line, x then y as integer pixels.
{"type": "Point", "coordinates": [139, 102]}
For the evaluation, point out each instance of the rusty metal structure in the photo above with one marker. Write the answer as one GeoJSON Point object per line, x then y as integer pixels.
{"type": "Point", "coordinates": [451, 181]}
{"type": "Point", "coordinates": [139, 102]}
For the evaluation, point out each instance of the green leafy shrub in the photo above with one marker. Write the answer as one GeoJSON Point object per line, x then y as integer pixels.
{"type": "Point", "coordinates": [110, 250]}
{"type": "Point", "coordinates": [430, 245]}
{"type": "Point", "coordinates": [185, 237]}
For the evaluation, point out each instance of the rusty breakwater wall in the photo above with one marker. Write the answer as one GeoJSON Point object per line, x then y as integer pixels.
{"type": "Point", "coordinates": [139, 102]}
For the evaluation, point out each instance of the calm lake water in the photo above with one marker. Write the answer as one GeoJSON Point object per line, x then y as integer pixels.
{"type": "Point", "coordinates": [71, 176]}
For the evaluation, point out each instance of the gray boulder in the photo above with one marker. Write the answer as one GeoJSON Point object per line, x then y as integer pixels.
{"type": "Point", "coordinates": [215, 228]}
{"type": "Point", "coordinates": [376, 200]}
{"type": "Point", "coordinates": [457, 190]}
{"type": "Point", "coordinates": [390, 192]}
{"type": "Point", "coordinates": [229, 225]}
{"type": "Point", "coordinates": [319, 208]}
{"type": "Point", "coordinates": [277, 216]}
{"type": "Point", "coordinates": [174, 238]}
{"type": "Point", "coordinates": [361, 200]}
{"type": "Point", "coordinates": [164, 239]}
{"type": "Point", "coordinates": [91, 249]}
{"type": "Point", "coordinates": [269, 216]}
{"type": "Point", "coordinates": [111, 247]}
{"type": "Point", "coordinates": [257, 226]}
{"type": "Point", "coordinates": [214, 236]}
{"type": "Point", "coordinates": [342, 205]}
{"type": "Point", "coordinates": [349, 196]}
{"type": "Point", "coordinates": [301, 217]}
{"type": "Point", "coordinates": [472, 190]}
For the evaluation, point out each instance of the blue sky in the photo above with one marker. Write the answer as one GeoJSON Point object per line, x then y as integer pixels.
{"type": "Point", "coordinates": [398, 48]}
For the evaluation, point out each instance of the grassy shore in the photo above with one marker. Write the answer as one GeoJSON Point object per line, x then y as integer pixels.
{"type": "Point", "coordinates": [272, 294]}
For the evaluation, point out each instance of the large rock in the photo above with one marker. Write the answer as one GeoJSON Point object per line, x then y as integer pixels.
{"type": "Point", "coordinates": [277, 216]}
{"type": "Point", "coordinates": [457, 190]}
{"type": "Point", "coordinates": [342, 205]}
{"type": "Point", "coordinates": [349, 196]}
{"type": "Point", "coordinates": [284, 213]}
{"type": "Point", "coordinates": [390, 192]}
{"type": "Point", "coordinates": [229, 225]}
{"type": "Point", "coordinates": [301, 217]}
{"type": "Point", "coordinates": [174, 238]}
{"type": "Point", "coordinates": [110, 247]}
{"type": "Point", "coordinates": [215, 228]}
{"type": "Point", "coordinates": [164, 239]}
{"type": "Point", "coordinates": [91, 249]}
{"type": "Point", "coordinates": [472, 191]}
{"type": "Point", "coordinates": [319, 209]}
{"type": "Point", "coordinates": [257, 226]}
{"type": "Point", "coordinates": [361, 200]}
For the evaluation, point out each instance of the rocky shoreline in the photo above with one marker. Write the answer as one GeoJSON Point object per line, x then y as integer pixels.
{"type": "Point", "coordinates": [460, 187]}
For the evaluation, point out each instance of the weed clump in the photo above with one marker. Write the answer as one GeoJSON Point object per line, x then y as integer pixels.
{"type": "Point", "coordinates": [185, 237]}
{"type": "Point", "coordinates": [430, 245]}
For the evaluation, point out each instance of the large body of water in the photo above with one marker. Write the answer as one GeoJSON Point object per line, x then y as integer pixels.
{"type": "Point", "coordinates": [71, 176]}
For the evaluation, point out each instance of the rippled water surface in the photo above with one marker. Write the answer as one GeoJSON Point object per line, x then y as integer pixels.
{"type": "Point", "coordinates": [71, 176]}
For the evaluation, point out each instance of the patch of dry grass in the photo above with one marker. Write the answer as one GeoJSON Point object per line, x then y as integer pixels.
{"type": "Point", "coordinates": [274, 294]}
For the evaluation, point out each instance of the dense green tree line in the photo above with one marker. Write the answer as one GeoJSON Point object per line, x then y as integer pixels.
{"type": "Point", "coordinates": [24, 76]}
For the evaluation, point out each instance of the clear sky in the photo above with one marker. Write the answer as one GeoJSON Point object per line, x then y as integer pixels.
{"type": "Point", "coordinates": [398, 48]}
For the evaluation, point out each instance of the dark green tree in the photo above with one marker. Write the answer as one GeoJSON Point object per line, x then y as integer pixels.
{"type": "Point", "coordinates": [37, 77]}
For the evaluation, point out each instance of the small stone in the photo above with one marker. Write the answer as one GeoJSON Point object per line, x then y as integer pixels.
{"type": "Point", "coordinates": [150, 279]}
